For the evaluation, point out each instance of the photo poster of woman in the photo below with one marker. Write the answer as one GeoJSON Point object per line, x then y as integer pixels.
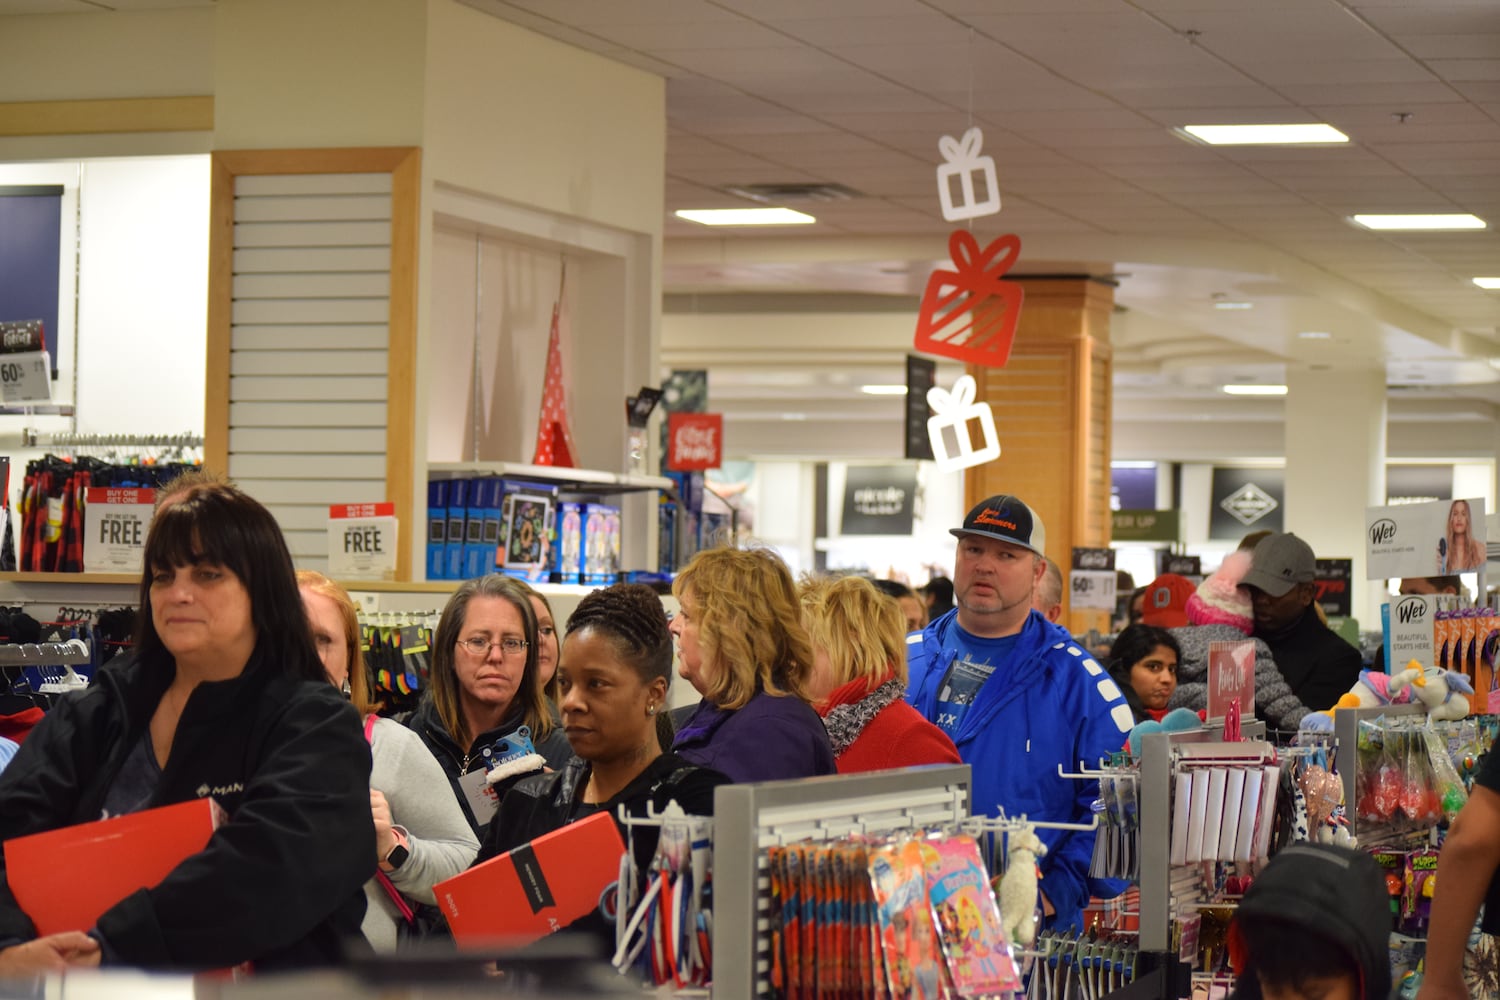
{"type": "Point", "coordinates": [1461, 549]}
{"type": "Point", "coordinates": [1434, 538]}
{"type": "Point", "coordinates": [527, 519]}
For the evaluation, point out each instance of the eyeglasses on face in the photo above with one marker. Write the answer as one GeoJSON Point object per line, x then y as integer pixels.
{"type": "Point", "coordinates": [509, 646]}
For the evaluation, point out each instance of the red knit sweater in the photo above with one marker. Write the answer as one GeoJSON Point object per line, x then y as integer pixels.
{"type": "Point", "coordinates": [897, 736]}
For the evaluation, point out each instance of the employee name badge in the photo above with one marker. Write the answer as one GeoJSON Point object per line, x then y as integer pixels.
{"type": "Point", "coordinates": [26, 378]}
{"type": "Point", "coordinates": [480, 795]}
{"type": "Point", "coordinates": [954, 411]}
{"type": "Point", "coordinates": [116, 522]}
{"type": "Point", "coordinates": [362, 541]}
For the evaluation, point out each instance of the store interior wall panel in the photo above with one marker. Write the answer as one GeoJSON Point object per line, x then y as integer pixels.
{"type": "Point", "coordinates": [342, 363]}
{"type": "Point", "coordinates": [311, 337]}
{"type": "Point", "coordinates": [325, 426]}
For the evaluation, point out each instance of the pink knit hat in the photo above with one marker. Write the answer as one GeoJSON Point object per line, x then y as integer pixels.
{"type": "Point", "coordinates": [1221, 600]}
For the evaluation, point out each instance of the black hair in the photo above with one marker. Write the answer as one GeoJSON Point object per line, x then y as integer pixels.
{"type": "Point", "coordinates": [210, 523]}
{"type": "Point", "coordinates": [893, 588]}
{"type": "Point", "coordinates": [1134, 644]}
{"type": "Point", "coordinates": [940, 591]}
{"type": "Point", "coordinates": [631, 616]}
{"type": "Point", "coordinates": [1287, 955]}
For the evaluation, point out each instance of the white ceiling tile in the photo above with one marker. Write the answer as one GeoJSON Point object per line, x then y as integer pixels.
{"type": "Point", "coordinates": [674, 36]}
{"type": "Point", "coordinates": [1123, 137]}
{"type": "Point", "coordinates": [1334, 71]}
{"type": "Point", "coordinates": [1467, 70]}
{"type": "Point", "coordinates": [46, 7]}
{"type": "Point", "coordinates": [1477, 46]}
{"type": "Point", "coordinates": [1234, 95]}
{"type": "Point", "coordinates": [927, 27]}
{"type": "Point", "coordinates": [1024, 119]}
{"type": "Point", "coordinates": [1417, 152]}
{"type": "Point", "coordinates": [1404, 18]}
{"type": "Point", "coordinates": [1284, 113]}
{"type": "Point", "coordinates": [586, 13]}
{"type": "Point", "coordinates": [887, 100]}
{"type": "Point", "coordinates": [788, 10]}
{"type": "Point", "coordinates": [1388, 95]}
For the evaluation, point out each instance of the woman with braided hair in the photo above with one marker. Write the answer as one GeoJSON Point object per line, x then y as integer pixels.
{"type": "Point", "coordinates": [859, 677]}
{"type": "Point", "coordinates": [612, 680]}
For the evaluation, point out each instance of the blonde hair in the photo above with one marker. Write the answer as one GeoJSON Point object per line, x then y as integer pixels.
{"type": "Point", "coordinates": [551, 689]}
{"type": "Point", "coordinates": [749, 628]}
{"type": "Point", "coordinates": [862, 630]}
{"type": "Point", "coordinates": [443, 682]}
{"type": "Point", "coordinates": [359, 679]}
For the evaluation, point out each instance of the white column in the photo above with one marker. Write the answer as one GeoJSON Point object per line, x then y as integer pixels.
{"type": "Point", "coordinates": [1335, 467]}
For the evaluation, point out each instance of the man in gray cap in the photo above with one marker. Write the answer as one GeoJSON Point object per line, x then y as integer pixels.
{"type": "Point", "coordinates": [1017, 696]}
{"type": "Point", "coordinates": [1317, 664]}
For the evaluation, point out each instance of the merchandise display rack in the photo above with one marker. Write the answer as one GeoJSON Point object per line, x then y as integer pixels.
{"type": "Point", "coordinates": [751, 819]}
{"type": "Point", "coordinates": [1346, 734]}
{"type": "Point", "coordinates": [568, 480]}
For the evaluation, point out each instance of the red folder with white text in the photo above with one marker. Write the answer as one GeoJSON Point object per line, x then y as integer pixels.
{"type": "Point", "coordinates": [536, 889]}
{"type": "Point", "coordinates": [65, 879]}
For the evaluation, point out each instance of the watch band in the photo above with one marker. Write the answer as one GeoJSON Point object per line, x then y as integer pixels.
{"type": "Point", "coordinates": [397, 855]}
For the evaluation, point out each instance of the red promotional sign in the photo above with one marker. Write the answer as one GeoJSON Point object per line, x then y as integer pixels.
{"type": "Point", "coordinates": [695, 441]}
{"type": "Point", "coordinates": [970, 313]}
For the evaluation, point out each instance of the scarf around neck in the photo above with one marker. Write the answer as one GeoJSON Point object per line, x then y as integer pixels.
{"type": "Point", "coordinates": [845, 722]}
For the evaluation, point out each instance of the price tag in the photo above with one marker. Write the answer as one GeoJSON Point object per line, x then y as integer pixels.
{"type": "Point", "coordinates": [115, 524]}
{"type": "Point", "coordinates": [1092, 589]}
{"type": "Point", "coordinates": [1231, 676]}
{"type": "Point", "coordinates": [362, 541]}
{"type": "Point", "coordinates": [480, 795]}
{"type": "Point", "coordinates": [26, 378]}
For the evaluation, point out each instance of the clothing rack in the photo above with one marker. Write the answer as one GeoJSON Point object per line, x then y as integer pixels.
{"type": "Point", "coordinates": [44, 654]}
{"type": "Point", "coordinates": [750, 819]}
{"type": "Point", "coordinates": [70, 439]}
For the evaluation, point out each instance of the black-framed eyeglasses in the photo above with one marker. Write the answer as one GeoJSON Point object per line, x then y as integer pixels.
{"type": "Point", "coordinates": [509, 645]}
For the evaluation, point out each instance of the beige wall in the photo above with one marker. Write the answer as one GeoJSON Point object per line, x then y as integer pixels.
{"type": "Point", "coordinates": [65, 57]}
{"type": "Point", "coordinates": [553, 127]}
{"type": "Point", "coordinates": [290, 73]}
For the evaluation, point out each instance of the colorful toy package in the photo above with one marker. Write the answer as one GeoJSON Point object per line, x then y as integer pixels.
{"type": "Point", "coordinates": [968, 919]}
{"type": "Point", "coordinates": [914, 967]}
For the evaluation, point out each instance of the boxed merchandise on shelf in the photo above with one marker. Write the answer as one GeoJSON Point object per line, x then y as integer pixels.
{"type": "Point", "coordinates": [526, 529]}
{"type": "Point", "coordinates": [437, 527]}
{"type": "Point", "coordinates": [601, 544]}
{"type": "Point", "coordinates": [568, 567]}
{"type": "Point", "coordinates": [453, 549]}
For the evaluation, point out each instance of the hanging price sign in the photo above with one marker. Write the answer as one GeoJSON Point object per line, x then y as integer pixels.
{"type": "Point", "coordinates": [362, 541]}
{"type": "Point", "coordinates": [26, 378]}
{"type": "Point", "coordinates": [116, 521]}
{"type": "Point", "coordinates": [1092, 579]}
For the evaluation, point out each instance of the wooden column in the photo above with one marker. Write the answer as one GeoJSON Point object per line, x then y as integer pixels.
{"type": "Point", "coordinates": [1052, 407]}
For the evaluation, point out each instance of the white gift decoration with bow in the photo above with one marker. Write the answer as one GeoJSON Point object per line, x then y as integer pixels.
{"type": "Point", "coordinates": [955, 409]}
{"type": "Point", "coordinates": [963, 160]}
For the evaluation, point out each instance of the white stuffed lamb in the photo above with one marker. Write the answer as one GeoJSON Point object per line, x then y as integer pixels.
{"type": "Point", "coordinates": [1018, 887]}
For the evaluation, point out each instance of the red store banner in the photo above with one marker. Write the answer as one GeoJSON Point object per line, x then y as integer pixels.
{"type": "Point", "coordinates": [695, 441]}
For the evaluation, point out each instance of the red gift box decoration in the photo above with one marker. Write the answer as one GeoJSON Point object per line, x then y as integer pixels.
{"type": "Point", "coordinates": [970, 313]}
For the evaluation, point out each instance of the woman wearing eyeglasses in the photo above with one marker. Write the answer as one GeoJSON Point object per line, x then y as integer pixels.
{"type": "Point", "coordinates": [484, 716]}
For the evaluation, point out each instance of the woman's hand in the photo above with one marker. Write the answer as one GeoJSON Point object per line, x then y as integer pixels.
{"type": "Point", "coordinates": [52, 953]}
{"type": "Point", "coordinates": [385, 837]}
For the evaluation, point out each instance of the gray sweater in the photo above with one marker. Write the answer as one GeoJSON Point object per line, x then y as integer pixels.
{"type": "Point", "coordinates": [442, 843]}
{"type": "Point", "coordinates": [1274, 701]}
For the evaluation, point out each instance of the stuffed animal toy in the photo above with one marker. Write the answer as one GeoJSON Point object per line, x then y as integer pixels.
{"type": "Point", "coordinates": [1374, 688]}
{"type": "Point", "coordinates": [1018, 887]}
{"type": "Point", "coordinates": [1179, 720]}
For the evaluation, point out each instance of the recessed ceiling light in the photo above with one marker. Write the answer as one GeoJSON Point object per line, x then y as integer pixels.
{"type": "Point", "coordinates": [1264, 135]}
{"type": "Point", "coordinates": [884, 390]}
{"type": "Point", "coordinates": [1255, 390]}
{"type": "Point", "coordinates": [1493, 284]}
{"type": "Point", "coordinates": [1315, 335]}
{"type": "Point", "coordinates": [1234, 306]}
{"type": "Point", "coordinates": [745, 216]}
{"type": "Point", "coordinates": [1450, 220]}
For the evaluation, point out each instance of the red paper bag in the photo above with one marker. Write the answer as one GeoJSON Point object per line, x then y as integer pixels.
{"type": "Point", "coordinates": [970, 313]}
{"type": "Point", "coordinates": [65, 879]}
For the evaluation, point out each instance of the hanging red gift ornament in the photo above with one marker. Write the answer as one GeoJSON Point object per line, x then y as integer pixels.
{"type": "Point", "coordinates": [970, 313]}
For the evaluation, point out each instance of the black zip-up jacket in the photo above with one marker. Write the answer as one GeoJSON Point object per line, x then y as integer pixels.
{"type": "Point", "coordinates": [457, 762]}
{"type": "Point", "coordinates": [281, 883]}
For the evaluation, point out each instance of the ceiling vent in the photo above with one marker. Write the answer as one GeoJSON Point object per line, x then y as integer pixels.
{"type": "Point", "coordinates": [785, 194]}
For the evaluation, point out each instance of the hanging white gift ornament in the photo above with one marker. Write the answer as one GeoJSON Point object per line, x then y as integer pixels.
{"type": "Point", "coordinates": [955, 409]}
{"type": "Point", "coordinates": [963, 162]}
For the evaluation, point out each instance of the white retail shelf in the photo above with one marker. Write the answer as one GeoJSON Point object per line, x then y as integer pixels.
{"type": "Point", "coordinates": [572, 480]}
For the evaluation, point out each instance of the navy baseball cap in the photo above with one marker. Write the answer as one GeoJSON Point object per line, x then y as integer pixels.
{"type": "Point", "coordinates": [1007, 519]}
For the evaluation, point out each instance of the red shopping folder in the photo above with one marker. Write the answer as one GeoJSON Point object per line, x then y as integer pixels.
{"type": "Point", "coordinates": [536, 889]}
{"type": "Point", "coordinates": [64, 879]}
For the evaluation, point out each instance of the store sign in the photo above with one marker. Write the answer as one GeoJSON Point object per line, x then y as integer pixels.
{"type": "Point", "coordinates": [1091, 582]}
{"type": "Point", "coordinates": [921, 375]}
{"type": "Point", "coordinates": [1410, 627]}
{"type": "Point", "coordinates": [879, 500]}
{"type": "Point", "coordinates": [1246, 500]}
{"type": "Point", "coordinates": [695, 441]}
{"type": "Point", "coordinates": [1231, 678]}
{"type": "Point", "coordinates": [1332, 578]}
{"type": "Point", "coordinates": [25, 365]}
{"type": "Point", "coordinates": [116, 522]}
{"type": "Point", "coordinates": [1144, 526]}
{"type": "Point", "coordinates": [362, 541]}
{"type": "Point", "coordinates": [1188, 566]}
{"type": "Point", "coordinates": [1425, 539]}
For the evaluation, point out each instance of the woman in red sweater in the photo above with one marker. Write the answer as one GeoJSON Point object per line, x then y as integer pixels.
{"type": "Point", "coordinates": [859, 677]}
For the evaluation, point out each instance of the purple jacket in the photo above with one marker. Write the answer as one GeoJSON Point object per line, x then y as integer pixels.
{"type": "Point", "coordinates": [772, 738]}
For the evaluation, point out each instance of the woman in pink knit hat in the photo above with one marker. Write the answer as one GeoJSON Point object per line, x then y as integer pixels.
{"type": "Point", "coordinates": [1219, 611]}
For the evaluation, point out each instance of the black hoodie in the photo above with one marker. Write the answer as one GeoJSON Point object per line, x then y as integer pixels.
{"type": "Point", "coordinates": [1333, 892]}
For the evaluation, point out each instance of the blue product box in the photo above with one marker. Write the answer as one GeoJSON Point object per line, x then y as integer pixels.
{"type": "Point", "coordinates": [458, 512]}
{"type": "Point", "coordinates": [437, 526]}
{"type": "Point", "coordinates": [569, 550]}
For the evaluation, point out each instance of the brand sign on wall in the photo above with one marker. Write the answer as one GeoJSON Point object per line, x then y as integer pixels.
{"type": "Point", "coordinates": [1439, 538]}
{"type": "Point", "coordinates": [879, 500]}
{"type": "Point", "coordinates": [1245, 500]}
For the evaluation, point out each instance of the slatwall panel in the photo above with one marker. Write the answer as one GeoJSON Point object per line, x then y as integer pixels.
{"type": "Point", "coordinates": [309, 342]}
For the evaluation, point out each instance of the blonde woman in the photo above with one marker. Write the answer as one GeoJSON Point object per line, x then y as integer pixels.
{"type": "Point", "coordinates": [421, 835]}
{"type": "Point", "coordinates": [484, 716]}
{"type": "Point", "coordinates": [859, 679]}
{"type": "Point", "coordinates": [1460, 551]}
{"type": "Point", "coordinates": [741, 644]}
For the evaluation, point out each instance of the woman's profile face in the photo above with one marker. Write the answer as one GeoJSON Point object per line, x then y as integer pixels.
{"type": "Point", "coordinates": [490, 679]}
{"type": "Point", "coordinates": [605, 704]}
{"type": "Point", "coordinates": [202, 609]}
{"type": "Point", "coordinates": [546, 642]}
{"type": "Point", "coordinates": [684, 629]}
{"type": "Point", "coordinates": [1458, 517]}
{"type": "Point", "coordinates": [1154, 677]}
{"type": "Point", "coordinates": [328, 635]}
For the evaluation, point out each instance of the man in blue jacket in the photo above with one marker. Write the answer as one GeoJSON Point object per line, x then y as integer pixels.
{"type": "Point", "coordinates": [1017, 695]}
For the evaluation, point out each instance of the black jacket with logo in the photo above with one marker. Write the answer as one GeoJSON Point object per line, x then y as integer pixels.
{"type": "Point", "coordinates": [281, 883]}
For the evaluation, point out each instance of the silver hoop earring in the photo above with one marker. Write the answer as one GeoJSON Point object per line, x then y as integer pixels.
{"type": "Point", "coordinates": [650, 709]}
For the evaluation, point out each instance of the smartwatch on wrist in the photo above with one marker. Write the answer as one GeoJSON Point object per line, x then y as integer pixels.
{"type": "Point", "coordinates": [398, 854]}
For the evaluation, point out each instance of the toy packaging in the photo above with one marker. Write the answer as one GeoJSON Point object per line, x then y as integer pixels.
{"type": "Point", "coordinates": [958, 889]}
{"type": "Point", "coordinates": [568, 566]}
{"type": "Point", "coordinates": [601, 544]}
{"type": "Point", "coordinates": [908, 941]}
{"type": "Point", "coordinates": [528, 525]}
{"type": "Point", "coordinates": [437, 527]}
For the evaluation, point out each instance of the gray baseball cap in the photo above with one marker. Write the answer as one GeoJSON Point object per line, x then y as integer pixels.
{"type": "Point", "coordinates": [1279, 563]}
